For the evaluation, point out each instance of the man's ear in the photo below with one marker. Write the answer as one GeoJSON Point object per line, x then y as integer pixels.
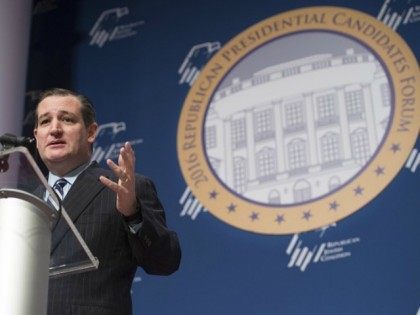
{"type": "Point", "coordinates": [35, 132]}
{"type": "Point", "coordinates": [92, 129]}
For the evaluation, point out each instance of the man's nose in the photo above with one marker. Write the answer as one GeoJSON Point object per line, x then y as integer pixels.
{"type": "Point", "coordinates": [56, 128]}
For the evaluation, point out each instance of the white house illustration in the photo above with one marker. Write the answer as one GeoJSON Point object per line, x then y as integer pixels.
{"type": "Point", "coordinates": [295, 131]}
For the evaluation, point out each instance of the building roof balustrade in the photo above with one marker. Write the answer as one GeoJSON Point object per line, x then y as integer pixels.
{"type": "Point", "coordinates": [260, 90]}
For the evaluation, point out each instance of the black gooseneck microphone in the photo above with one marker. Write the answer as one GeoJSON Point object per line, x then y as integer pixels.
{"type": "Point", "coordinates": [9, 140]}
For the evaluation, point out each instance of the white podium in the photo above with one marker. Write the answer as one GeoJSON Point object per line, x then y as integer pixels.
{"type": "Point", "coordinates": [26, 220]}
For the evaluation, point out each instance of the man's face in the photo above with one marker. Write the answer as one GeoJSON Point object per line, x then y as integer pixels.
{"type": "Point", "coordinates": [63, 140]}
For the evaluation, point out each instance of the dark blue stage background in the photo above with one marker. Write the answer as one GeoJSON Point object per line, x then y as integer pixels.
{"type": "Point", "coordinates": [128, 56]}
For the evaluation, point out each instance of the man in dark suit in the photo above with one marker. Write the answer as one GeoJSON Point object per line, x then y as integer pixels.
{"type": "Point", "coordinates": [116, 211]}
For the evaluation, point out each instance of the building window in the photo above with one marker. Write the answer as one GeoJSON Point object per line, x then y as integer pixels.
{"type": "Point", "coordinates": [210, 137]}
{"type": "Point", "coordinates": [266, 164]}
{"type": "Point", "coordinates": [238, 132]}
{"type": "Point", "coordinates": [360, 146]}
{"type": "Point", "coordinates": [260, 79]}
{"type": "Point", "coordinates": [236, 88]}
{"type": "Point", "coordinates": [274, 197]}
{"type": "Point", "coordinates": [215, 164]}
{"type": "Point", "coordinates": [386, 94]}
{"type": "Point", "coordinates": [263, 125]}
{"type": "Point", "coordinates": [354, 104]}
{"type": "Point", "coordinates": [334, 183]}
{"type": "Point", "coordinates": [327, 109]}
{"type": "Point", "coordinates": [297, 154]}
{"type": "Point", "coordinates": [349, 59]}
{"type": "Point", "coordinates": [330, 148]}
{"type": "Point", "coordinates": [239, 174]}
{"type": "Point", "coordinates": [290, 71]}
{"type": "Point", "coordinates": [294, 115]}
{"type": "Point", "coordinates": [321, 64]}
{"type": "Point", "coordinates": [301, 191]}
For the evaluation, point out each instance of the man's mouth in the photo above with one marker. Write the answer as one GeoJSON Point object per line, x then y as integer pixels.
{"type": "Point", "coordinates": [56, 143]}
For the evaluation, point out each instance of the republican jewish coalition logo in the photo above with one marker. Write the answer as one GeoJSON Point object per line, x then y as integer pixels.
{"type": "Point", "coordinates": [300, 120]}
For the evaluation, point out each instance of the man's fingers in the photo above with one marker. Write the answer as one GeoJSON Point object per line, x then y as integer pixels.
{"type": "Point", "coordinates": [110, 184]}
{"type": "Point", "coordinates": [124, 170]}
{"type": "Point", "coordinates": [114, 167]}
{"type": "Point", "coordinates": [118, 170]}
{"type": "Point", "coordinates": [128, 156]}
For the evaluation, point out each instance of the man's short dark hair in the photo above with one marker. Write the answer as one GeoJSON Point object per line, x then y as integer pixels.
{"type": "Point", "coordinates": [88, 112]}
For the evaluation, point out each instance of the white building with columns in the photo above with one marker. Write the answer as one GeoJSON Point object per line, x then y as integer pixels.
{"type": "Point", "coordinates": [295, 131]}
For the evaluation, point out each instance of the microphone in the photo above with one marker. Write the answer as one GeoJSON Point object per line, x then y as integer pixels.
{"type": "Point", "coordinates": [9, 140]}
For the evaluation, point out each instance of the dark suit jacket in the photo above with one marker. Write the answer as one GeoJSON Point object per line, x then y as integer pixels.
{"type": "Point", "coordinates": [106, 291]}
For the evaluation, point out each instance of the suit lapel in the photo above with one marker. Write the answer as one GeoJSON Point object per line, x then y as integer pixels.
{"type": "Point", "coordinates": [82, 192]}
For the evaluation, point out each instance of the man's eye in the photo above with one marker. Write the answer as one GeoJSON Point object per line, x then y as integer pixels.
{"type": "Point", "coordinates": [68, 119]}
{"type": "Point", "coordinates": [43, 122]}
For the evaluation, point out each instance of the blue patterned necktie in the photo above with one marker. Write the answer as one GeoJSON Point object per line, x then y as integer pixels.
{"type": "Point", "coordinates": [59, 186]}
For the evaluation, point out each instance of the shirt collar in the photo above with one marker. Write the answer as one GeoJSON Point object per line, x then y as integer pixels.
{"type": "Point", "coordinates": [69, 177]}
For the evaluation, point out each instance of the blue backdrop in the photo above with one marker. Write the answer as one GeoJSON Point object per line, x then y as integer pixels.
{"type": "Point", "coordinates": [137, 61]}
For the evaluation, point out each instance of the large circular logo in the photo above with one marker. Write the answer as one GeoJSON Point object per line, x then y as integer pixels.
{"type": "Point", "coordinates": [300, 120]}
